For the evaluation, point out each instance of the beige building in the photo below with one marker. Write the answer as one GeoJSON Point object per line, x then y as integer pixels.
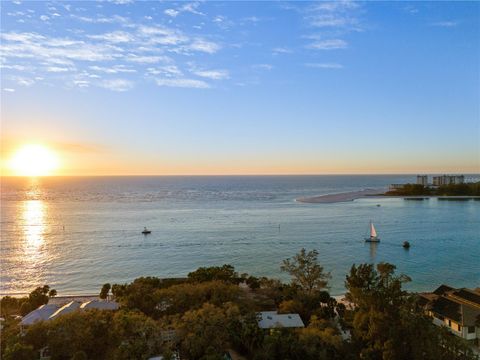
{"type": "Point", "coordinates": [457, 309]}
{"type": "Point", "coordinates": [448, 180]}
{"type": "Point", "coordinates": [422, 180]}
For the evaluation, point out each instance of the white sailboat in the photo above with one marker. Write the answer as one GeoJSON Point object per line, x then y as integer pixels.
{"type": "Point", "coordinates": [373, 234]}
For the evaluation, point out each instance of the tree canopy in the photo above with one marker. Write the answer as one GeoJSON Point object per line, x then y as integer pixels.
{"type": "Point", "coordinates": [306, 272]}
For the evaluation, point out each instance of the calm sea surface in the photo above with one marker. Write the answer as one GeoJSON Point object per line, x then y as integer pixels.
{"type": "Point", "coordinates": [77, 233]}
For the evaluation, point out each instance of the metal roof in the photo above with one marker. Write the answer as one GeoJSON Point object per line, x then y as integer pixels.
{"type": "Point", "coordinates": [272, 319]}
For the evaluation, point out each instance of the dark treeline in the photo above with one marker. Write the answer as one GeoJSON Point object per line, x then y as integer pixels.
{"type": "Point", "coordinates": [467, 189]}
{"type": "Point", "coordinates": [209, 313]}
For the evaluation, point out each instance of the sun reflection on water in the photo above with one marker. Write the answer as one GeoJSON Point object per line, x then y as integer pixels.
{"type": "Point", "coordinates": [35, 249]}
{"type": "Point", "coordinates": [34, 224]}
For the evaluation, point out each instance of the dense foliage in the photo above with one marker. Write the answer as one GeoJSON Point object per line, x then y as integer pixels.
{"type": "Point", "coordinates": [467, 189]}
{"type": "Point", "coordinates": [215, 310]}
{"type": "Point", "coordinates": [22, 306]}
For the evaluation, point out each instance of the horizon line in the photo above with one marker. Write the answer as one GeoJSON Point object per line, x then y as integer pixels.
{"type": "Point", "coordinates": [245, 175]}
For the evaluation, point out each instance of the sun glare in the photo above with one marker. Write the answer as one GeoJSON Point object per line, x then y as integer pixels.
{"type": "Point", "coordinates": [34, 160]}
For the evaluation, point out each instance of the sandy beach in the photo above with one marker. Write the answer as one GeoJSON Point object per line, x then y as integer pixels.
{"type": "Point", "coordinates": [341, 197]}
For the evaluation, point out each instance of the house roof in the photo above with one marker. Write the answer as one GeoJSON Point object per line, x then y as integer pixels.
{"type": "Point", "coordinates": [52, 311]}
{"type": "Point", "coordinates": [271, 319]}
{"type": "Point", "coordinates": [442, 289]}
{"type": "Point", "coordinates": [65, 309]}
{"type": "Point", "coordinates": [101, 305]}
{"type": "Point", "coordinates": [466, 295]}
{"type": "Point", "coordinates": [42, 313]}
{"type": "Point", "coordinates": [459, 305]}
{"type": "Point", "coordinates": [447, 308]}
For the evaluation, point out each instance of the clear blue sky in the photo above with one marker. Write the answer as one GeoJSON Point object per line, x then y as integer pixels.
{"type": "Point", "coordinates": [118, 87]}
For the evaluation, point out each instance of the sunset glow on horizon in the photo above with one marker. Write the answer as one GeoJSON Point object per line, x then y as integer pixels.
{"type": "Point", "coordinates": [158, 88]}
{"type": "Point", "coordinates": [34, 160]}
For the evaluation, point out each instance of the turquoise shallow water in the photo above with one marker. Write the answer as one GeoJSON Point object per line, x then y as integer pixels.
{"type": "Point", "coordinates": [77, 233]}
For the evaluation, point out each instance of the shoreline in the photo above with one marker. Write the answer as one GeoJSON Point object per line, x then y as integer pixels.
{"type": "Point", "coordinates": [376, 193]}
{"type": "Point", "coordinates": [341, 197]}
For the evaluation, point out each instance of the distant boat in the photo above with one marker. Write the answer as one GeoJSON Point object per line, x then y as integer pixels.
{"type": "Point", "coordinates": [406, 245]}
{"type": "Point", "coordinates": [373, 234]}
{"type": "Point", "coordinates": [146, 231]}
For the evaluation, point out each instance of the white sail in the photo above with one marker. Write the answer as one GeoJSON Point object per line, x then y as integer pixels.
{"type": "Point", "coordinates": [373, 232]}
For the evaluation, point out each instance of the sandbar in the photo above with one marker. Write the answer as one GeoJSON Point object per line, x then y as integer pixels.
{"type": "Point", "coordinates": [341, 197]}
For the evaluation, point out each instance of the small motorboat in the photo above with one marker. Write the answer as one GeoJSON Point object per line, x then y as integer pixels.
{"type": "Point", "coordinates": [406, 245]}
{"type": "Point", "coordinates": [378, 205]}
{"type": "Point", "coordinates": [146, 231]}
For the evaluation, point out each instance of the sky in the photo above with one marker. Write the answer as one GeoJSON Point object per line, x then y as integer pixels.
{"type": "Point", "coordinates": [203, 88]}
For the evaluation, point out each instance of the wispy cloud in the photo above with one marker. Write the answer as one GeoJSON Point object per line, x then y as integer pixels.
{"type": "Point", "coordinates": [22, 80]}
{"type": "Point", "coordinates": [281, 50]}
{"type": "Point", "coordinates": [334, 14]}
{"type": "Point", "coordinates": [324, 65]}
{"type": "Point", "coordinates": [57, 69]}
{"type": "Point", "coordinates": [146, 59]}
{"type": "Point", "coordinates": [166, 71]}
{"type": "Point", "coordinates": [117, 84]}
{"type": "Point", "coordinates": [114, 37]}
{"type": "Point", "coordinates": [85, 58]}
{"type": "Point", "coordinates": [213, 74]}
{"type": "Point", "coordinates": [263, 66]}
{"type": "Point", "coordinates": [188, 7]}
{"type": "Point", "coordinates": [204, 46]}
{"type": "Point", "coordinates": [112, 70]}
{"type": "Point", "coordinates": [444, 24]}
{"type": "Point", "coordinates": [171, 12]}
{"type": "Point", "coordinates": [102, 19]}
{"type": "Point", "coordinates": [182, 83]}
{"type": "Point", "coordinates": [329, 44]}
{"type": "Point", "coordinates": [121, 2]}
{"type": "Point", "coordinates": [332, 21]}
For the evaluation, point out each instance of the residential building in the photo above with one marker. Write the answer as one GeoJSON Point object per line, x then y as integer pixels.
{"type": "Point", "coordinates": [448, 180]}
{"type": "Point", "coordinates": [41, 314]}
{"type": "Point", "coordinates": [393, 187]}
{"type": "Point", "coordinates": [422, 180]}
{"type": "Point", "coordinates": [51, 311]}
{"type": "Point", "coordinates": [457, 309]}
{"type": "Point", "coordinates": [272, 319]}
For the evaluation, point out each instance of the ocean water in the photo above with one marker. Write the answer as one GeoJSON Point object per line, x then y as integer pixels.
{"type": "Point", "coordinates": [77, 233]}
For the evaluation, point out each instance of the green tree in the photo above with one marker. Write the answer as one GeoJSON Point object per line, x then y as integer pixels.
{"type": "Point", "coordinates": [19, 351]}
{"type": "Point", "coordinates": [10, 305]}
{"type": "Point", "coordinates": [306, 272]}
{"type": "Point", "coordinates": [201, 332]}
{"type": "Point", "coordinates": [139, 336]}
{"type": "Point", "coordinates": [388, 325]}
{"type": "Point", "coordinates": [180, 298]}
{"type": "Point", "coordinates": [80, 355]}
{"type": "Point", "coordinates": [224, 273]}
{"type": "Point", "coordinates": [105, 290]}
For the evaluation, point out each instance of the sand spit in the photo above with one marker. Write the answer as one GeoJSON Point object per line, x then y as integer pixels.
{"type": "Point", "coordinates": [341, 197]}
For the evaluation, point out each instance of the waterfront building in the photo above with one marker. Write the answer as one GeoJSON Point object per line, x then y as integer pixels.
{"type": "Point", "coordinates": [41, 314]}
{"type": "Point", "coordinates": [457, 309]}
{"type": "Point", "coordinates": [448, 180]}
{"type": "Point", "coordinates": [272, 319]}
{"type": "Point", "coordinates": [51, 311]}
{"type": "Point", "coordinates": [422, 180]}
{"type": "Point", "coordinates": [394, 187]}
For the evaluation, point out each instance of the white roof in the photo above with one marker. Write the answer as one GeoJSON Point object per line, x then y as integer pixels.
{"type": "Point", "coordinates": [272, 319]}
{"type": "Point", "coordinates": [42, 313]}
{"type": "Point", "coordinates": [101, 305]}
{"type": "Point", "coordinates": [65, 309]}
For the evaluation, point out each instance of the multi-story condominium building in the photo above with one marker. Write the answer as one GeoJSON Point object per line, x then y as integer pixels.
{"type": "Point", "coordinates": [448, 180]}
{"type": "Point", "coordinates": [422, 180]}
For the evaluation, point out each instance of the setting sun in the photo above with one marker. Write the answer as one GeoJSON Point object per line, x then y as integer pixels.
{"type": "Point", "coordinates": [34, 160]}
